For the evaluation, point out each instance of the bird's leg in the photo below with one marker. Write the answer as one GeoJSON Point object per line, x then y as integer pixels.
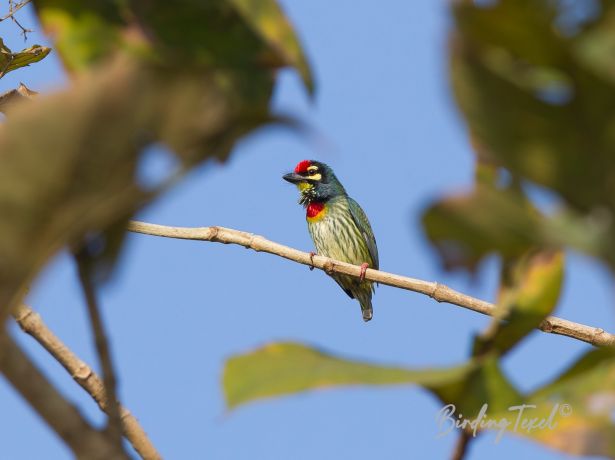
{"type": "Point", "coordinates": [364, 267]}
{"type": "Point", "coordinates": [312, 254]}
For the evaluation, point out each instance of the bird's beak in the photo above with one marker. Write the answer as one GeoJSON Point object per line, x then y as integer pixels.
{"type": "Point", "coordinates": [293, 178]}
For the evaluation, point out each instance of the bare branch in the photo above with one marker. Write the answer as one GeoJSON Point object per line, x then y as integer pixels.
{"type": "Point", "coordinates": [441, 293]}
{"type": "Point", "coordinates": [32, 324]}
{"type": "Point", "coordinates": [86, 442]}
{"type": "Point", "coordinates": [114, 422]}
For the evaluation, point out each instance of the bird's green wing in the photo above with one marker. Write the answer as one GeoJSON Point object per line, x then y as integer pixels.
{"type": "Point", "coordinates": [360, 220]}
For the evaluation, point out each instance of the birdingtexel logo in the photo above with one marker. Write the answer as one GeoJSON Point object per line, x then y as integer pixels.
{"type": "Point", "coordinates": [520, 418]}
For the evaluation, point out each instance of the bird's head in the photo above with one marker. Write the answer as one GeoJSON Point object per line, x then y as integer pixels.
{"type": "Point", "coordinates": [316, 182]}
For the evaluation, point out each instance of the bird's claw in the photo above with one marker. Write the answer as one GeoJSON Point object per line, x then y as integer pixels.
{"type": "Point", "coordinates": [364, 267]}
{"type": "Point", "coordinates": [312, 254]}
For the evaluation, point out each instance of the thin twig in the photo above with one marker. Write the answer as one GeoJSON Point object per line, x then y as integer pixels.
{"type": "Point", "coordinates": [114, 421]}
{"type": "Point", "coordinates": [441, 293]}
{"type": "Point", "coordinates": [14, 8]}
{"type": "Point", "coordinates": [461, 446]}
{"type": "Point", "coordinates": [85, 441]}
{"type": "Point", "coordinates": [32, 324]}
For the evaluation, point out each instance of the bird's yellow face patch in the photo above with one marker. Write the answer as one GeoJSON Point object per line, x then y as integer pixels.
{"type": "Point", "coordinates": [303, 186]}
{"type": "Point", "coordinates": [313, 173]}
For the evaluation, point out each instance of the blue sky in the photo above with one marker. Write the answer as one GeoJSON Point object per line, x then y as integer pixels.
{"type": "Point", "coordinates": [387, 124]}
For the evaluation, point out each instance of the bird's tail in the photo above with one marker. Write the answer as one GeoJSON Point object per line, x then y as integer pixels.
{"type": "Point", "coordinates": [365, 300]}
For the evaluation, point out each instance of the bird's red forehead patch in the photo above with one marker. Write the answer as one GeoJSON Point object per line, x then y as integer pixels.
{"type": "Point", "coordinates": [302, 166]}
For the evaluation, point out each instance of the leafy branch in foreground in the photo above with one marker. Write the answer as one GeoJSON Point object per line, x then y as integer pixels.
{"type": "Point", "coordinates": [282, 369]}
{"type": "Point", "coordinates": [441, 293]}
{"type": "Point", "coordinates": [195, 77]}
{"type": "Point", "coordinates": [537, 101]}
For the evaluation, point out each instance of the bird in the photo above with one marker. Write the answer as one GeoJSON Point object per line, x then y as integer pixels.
{"type": "Point", "coordinates": [338, 226]}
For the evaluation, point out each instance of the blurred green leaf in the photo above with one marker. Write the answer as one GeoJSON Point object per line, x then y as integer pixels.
{"type": "Point", "coordinates": [529, 291]}
{"type": "Point", "coordinates": [10, 61]}
{"type": "Point", "coordinates": [235, 37]}
{"type": "Point", "coordinates": [83, 34]}
{"type": "Point", "coordinates": [267, 19]}
{"type": "Point", "coordinates": [538, 107]}
{"type": "Point", "coordinates": [538, 103]}
{"type": "Point", "coordinates": [583, 397]}
{"type": "Point", "coordinates": [594, 46]}
{"type": "Point", "coordinates": [466, 228]}
{"type": "Point", "coordinates": [583, 402]}
{"type": "Point", "coordinates": [286, 368]}
{"type": "Point", "coordinates": [484, 383]}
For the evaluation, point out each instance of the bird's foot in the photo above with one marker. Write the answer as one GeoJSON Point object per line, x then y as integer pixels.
{"type": "Point", "coordinates": [364, 267]}
{"type": "Point", "coordinates": [312, 254]}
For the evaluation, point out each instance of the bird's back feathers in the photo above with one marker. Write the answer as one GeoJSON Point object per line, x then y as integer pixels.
{"type": "Point", "coordinates": [361, 221]}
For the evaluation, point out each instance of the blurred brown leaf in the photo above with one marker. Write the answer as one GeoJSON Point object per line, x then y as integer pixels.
{"type": "Point", "coordinates": [9, 98]}
{"type": "Point", "coordinates": [185, 75]}
{"type": "Point", "coordinates": [68, 160]}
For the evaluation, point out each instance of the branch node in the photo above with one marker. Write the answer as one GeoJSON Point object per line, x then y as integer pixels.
{"type": "Point", "coordinates": [546, 326]}
{"type": "Point", "coordinates": [596, 336]}
{"type": "Point", "coordinates": [436, 293]}
{"type": "Point", "coordinates": [125, 415]}
{"type": "Point", "coordinates": [82, 373]}
{"type": "Point", "coordinates": [22, 316]}
{"type": "Point", "coordinates": [329, 267]}
{"type": "Point", "coordinates": [214, 234]}
{"type": "Point", "coordinates": [251, 243]}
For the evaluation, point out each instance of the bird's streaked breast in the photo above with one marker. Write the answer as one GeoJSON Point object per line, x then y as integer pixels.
{"type": "Point", "coordinates": [336, 235]}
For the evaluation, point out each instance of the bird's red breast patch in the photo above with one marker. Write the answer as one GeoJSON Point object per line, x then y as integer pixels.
{"type": "Point", "coordinates": [302, 166]}
{"type": "Point", "coordinates": [315, 211]}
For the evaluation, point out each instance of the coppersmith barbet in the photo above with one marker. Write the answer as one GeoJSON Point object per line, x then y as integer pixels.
{"type": "Point", "coordinates": [338, 226]}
